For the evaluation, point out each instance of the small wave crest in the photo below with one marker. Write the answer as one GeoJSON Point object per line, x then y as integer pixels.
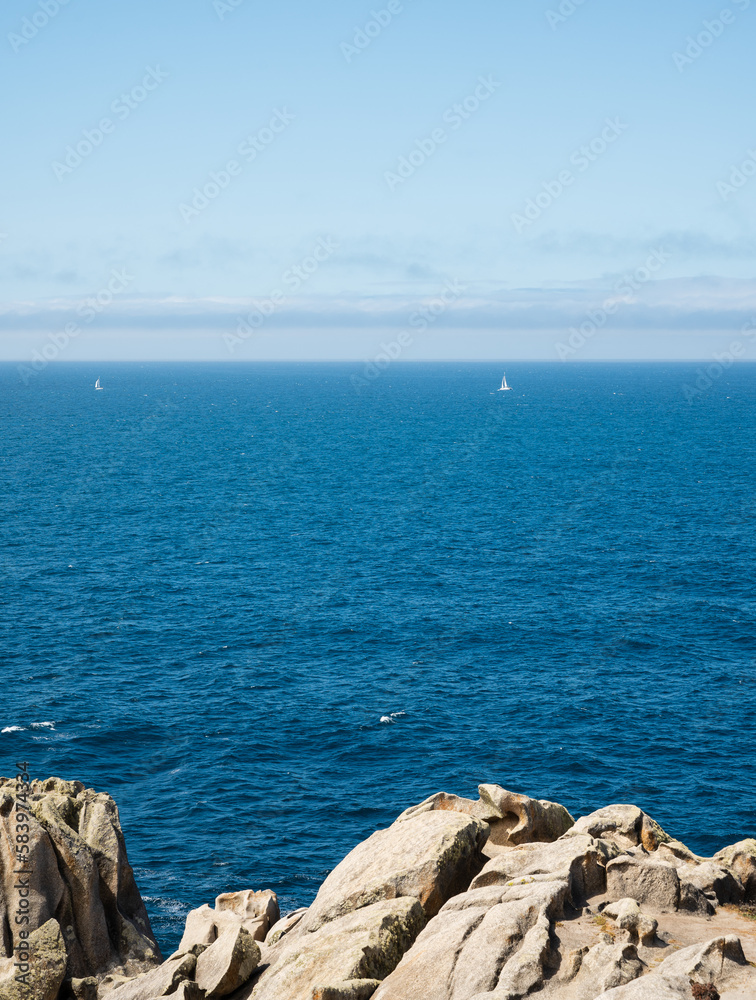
{"type": "Point", "coordinates": [392, 717]}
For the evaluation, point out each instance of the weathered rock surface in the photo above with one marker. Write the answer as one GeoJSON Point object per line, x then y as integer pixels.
{"type": "Point", "coordinates": [84, 989]}
{"type": "Point", "coordinates": [41, 976]}
{"type": "Point", "coordinates": [464, 948]}
{"type": "Point", "coordinates": [256, 912]}
{"type": "Point", "coordinates": [652, 882]}
{"type": "Point", "coordinates": [430, 908]}
{"type": "Point", "coordinates": [284, 925]}
{"type": "Point", "coordinates": [80, 877]}
{"type": "Point", "coordinates": [187, 990]}
{"type": "Point", "coordinates": [512, 818]}
{"type": "Point", "coordinates": [158, 982]}
{"type": "Point", "coordinates": [569, 911]}
{"type": "Point", "coordinates": [628, 916]}
{"type": "Point", "coordinates": [656, 883]}
{"type": "Point", "coordinates": [353, 989]}
{"type": "Point", "coordinates": [429, 856]}
{"type": "Point", "coordinates": [227, 964]}
{"type": "Point", "coordinates": [627, 826]}
{"type": "Point", "coordinates": [719, 961]}
{"type": "Point", "coordinates": [740, 860]}
{"type": "Point", "coordinates": [580, 860]}
{"type": "Point", "coordinates": [606, 965]}
{"type": "Point", "coordinates": [365, 944]}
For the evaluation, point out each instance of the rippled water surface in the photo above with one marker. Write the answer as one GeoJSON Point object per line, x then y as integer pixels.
{"type": "Point", "coordinates": [268, 607]}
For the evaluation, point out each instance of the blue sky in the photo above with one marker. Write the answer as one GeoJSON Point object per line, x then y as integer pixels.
{"type": "Point", "coordinates": [336, 167]}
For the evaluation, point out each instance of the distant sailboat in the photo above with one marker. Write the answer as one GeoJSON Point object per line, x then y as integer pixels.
{"type": "Point", "coordinates": [504, 384]}
{"type": "Point", "coordinates": [97, 384]}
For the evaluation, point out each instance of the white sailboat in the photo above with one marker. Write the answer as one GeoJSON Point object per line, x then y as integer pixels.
{"type": "Point", "coordinates": [97, 384]}
{"type": "Point", "coordinates": [504, 385]}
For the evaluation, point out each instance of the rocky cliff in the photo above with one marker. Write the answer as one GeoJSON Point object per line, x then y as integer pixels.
{"type": "Point", "coordinates": [69, 905]}
{"type": "Point", "coordinates": [503, 897]}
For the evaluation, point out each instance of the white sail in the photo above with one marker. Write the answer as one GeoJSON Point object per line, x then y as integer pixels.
{"type": "Point", "coordinates": [504, 384]}
{"type": "Point", "coordinates": [97, 384]}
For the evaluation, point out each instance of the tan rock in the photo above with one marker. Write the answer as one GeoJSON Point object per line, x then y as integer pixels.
{"type": "Point", "coordinates": [365, 944]}
{"type": "Point", "coordinates": [526, 969]}
{"type": "Point", "coordinates": [429, 856]}
{"type": "Point", "coordinates": [201, 928]}
{"type": "Point", "coordinates": [258, 909]}
{"type": "Point", "coordinates": [254, 911]}
{"type": "Point", "coordinates": [512, 818]}
{"type": "Point", "coordinates": [250, 903]}
{"type": "Point", "coordinates": [186, 991]}
{"type": "Point", "coordinates": [518, 819]}
{"type": "Point", "coordinates": [468, 947]}
{"type": "Point", "coordinates": [650, 987]}
{"type": "Point", "coordinates": [740, 859]}
{"type": "Point", "coordinates": [706, 960]}
{"type": "Point", "coordinates": [80, 877]}
{"type": "Point", "coordinates": [606, 966]}
{"type": "Point", "coordinates": [579, 859]}
{"type": "Point", "coordinates": [627, 825]}
{"type": "Point", "coordinates": [284, 925]}
{"type": "Point", "coordinates": [654, 883]}
{"type": "Point", "coordinates": [204, 926]}
{"type": "Point", "coordinates": [712, 880]}
{"type": "Point", "coordinates": [159, 982]}
{"type": "Point", "coordinates": [84, 989]}
{"type": "Point", "coordinates": [41, 977]}
{"type": "Point", "coordinates": [571, 962]}
{"type": "Point", "coordinates": [628, 916]}
{"type": "Point", "coordinates": [675, 852]}
{"type": "Point", "coordinates": [111, 982]}
{"type": "Point", "coordinates": [719, 961]}
{"type": "Point", "coordinates": [228, 963]}
{"type": "Point", "coordinates": [353, 989]}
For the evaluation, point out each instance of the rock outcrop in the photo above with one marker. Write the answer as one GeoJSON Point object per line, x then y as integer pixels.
{"type": "Point", "coordinates": [429, 856]}
{"type": "Point", "coordinates": [503, 898]}
{"type": "Point", "coordinates": [511, 818]}
{"type": "Point", "coordinates": [256, 912]}
{"type": "Point", "coordinates": [74, 883]}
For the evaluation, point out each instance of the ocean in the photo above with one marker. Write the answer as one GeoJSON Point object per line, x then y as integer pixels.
{"type": "Point", "coordinates": [269, 606]}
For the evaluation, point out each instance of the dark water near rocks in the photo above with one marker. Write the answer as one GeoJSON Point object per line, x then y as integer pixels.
{"type": "Point", "coordinates": [267, 612]}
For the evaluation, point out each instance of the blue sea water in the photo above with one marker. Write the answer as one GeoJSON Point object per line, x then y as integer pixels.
{"type": "Point", "coordinates": [267, 607]}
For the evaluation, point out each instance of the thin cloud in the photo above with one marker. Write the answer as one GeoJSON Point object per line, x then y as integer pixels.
{"type": "Point", "coordinates": [682, 243]}
{"type": "Point", "coordinates": [705, 303]}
